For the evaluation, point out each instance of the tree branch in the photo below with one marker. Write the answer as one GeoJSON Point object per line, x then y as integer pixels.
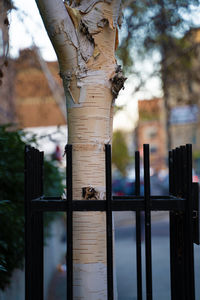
{"type": "Point", "coordinates": [60, 29]}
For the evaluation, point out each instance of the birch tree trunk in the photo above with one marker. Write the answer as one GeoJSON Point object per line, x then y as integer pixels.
{"type": "Point", "coordinates": [84, 36]}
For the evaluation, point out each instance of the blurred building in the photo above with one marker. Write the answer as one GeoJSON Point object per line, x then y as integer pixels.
{"type": "Point", "coordinates": [32, 97]}
{"type": "Point", "coordinates": [31, 92]}
{"type": "Point", "coordinates": [40, 100]}
{"type": "Point", "coordinates": [35, 102]}
{"type": "Point", "coordinates": [151, 130]}
{"type": "Point", "coordinates": [183, 85]}
{"type": "Point", "coordinates": [178, 118]}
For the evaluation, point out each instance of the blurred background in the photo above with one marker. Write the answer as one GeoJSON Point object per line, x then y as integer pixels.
{"type": "Point", "coordinates": [159, 50]}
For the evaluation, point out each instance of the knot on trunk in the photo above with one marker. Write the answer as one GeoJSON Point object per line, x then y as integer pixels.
{"type": "Point", "coordinates": [117, 82]}
{"type": "Point", "coordinates": [90, 193]}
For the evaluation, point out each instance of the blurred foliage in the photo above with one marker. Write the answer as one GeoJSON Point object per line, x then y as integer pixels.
{"type": "Point", "coordinates": [154, 30]}
{"type": "Point", "coordinates": [196, 154]}
{"type": "Point", "coordinates": [12, 145]}
{"type": "Point", "coordinates": [120, 154]}
{"type": "Point", "coordinates": [153, 24]}
{"type": "Point", "coordinates": [158, 32]}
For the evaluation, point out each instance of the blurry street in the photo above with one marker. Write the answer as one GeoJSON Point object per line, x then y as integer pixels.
{"type": "Point", "coordinates": [125, 256]}
{"type": "Point", "coordinates": [57, 289]}
{"type": "Point", "coordinates": [125, 253]}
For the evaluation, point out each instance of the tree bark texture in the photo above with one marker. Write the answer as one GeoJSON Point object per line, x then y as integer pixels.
{"type": "Point", "coordinates": [85, 35]}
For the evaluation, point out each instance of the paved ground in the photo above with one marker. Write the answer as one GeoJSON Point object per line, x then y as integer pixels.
{"type": "Point", "coordinates": [57, 290]}
{"type": "Point", "coordinates": [125, 255]}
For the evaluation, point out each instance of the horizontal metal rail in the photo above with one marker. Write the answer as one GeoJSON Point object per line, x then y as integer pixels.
{"type": "Point", "coordinates": [117, 204]}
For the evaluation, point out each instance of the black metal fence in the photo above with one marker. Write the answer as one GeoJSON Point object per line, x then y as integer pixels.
{"type": "Point", "coordinates": [182, 204]}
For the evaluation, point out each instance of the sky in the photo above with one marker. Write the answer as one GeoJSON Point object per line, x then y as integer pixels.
{"type": "Point", "coordinates": [27, 29]}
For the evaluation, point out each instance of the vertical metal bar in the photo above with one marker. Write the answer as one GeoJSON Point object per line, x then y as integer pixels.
{"type": "Point", "coordinates": [172, 227]}
{"type": "Point", "coordinates": [182, 185]}
{"type": "Point", "coordinates": [173, 173]}
{"type": "Point", "coordinates": [195, 196]}
{"type": "Point", "coordinates": [183, 170]}
{"type": "Point", "coordinates": [137, 173]}
{"type": "Point", "coordinates": [176, 172]}
{"type": "Point", "coordinates": [34, 224]}
{"type": "Point", "coordinates": [147, 222]}
{"type": "Point", "coordinates": [172, 255]}
{"type": "Point", "coordinates": [189, 228]}
{"type": "Point", "coordinates": [177, 230]}
{"type": "Point", "coordinates": [174, 267]}
{"type": "Point", "coordinates": [38, 234]}
{"type": "Point", "coordinates": [41, 249]}
{"type": "Point", "coordinates": [170, 164]}
{"type": "Point", "coordinates": [33, 227]}
{"type": "Point", "coordinates": [109, 222]}
{"type": "Point", "coordinates": [180, 232]}
{"type": "Point", "coordinates": [177, 256]}
{"type": "Point", "coordinates": [42, 173]}
{"type": "Point", "coordinates": [68, 150]}
{"type": "Point", "coordinates": [28, 195]}
{"type": "Point", "coordinates": [138, 228]}
{"type": "Point", "coordinates": [179, 173]}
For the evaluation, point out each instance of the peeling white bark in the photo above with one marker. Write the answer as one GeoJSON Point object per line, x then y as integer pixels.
{"type": "Point", "coordinates": [58, 23]}
{"type": "Point", "coordinates": [116, 12]}
{"type": "Point", "coordinates": [94, 77]}
{"type": "Point", "coordinates": [61, 32]}
{"type": "Point", "coordinates": [84, 38]}
{"type": "Point", "coordinates": [87, 5]}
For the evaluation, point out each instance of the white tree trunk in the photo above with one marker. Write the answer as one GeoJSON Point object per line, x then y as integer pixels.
{"type": "Point", "coordinates": [84, 36]}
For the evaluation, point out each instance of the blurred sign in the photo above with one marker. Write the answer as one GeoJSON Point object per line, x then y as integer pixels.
{"type": "Point", "coordinates": [184, 114]}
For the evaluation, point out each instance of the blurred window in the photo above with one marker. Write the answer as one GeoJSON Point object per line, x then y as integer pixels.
{"type": "Point", "coordinates": [151, 132]}
{"type": "Point", "coordinates": [154, 149]}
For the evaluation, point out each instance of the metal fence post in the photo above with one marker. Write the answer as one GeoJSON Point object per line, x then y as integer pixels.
{"type": "Point", "coordinates": [189, 247]}
{"type": "Point", "coordinates": [68, 150]}
{"type": "Point", "coordinates": [33, 226]}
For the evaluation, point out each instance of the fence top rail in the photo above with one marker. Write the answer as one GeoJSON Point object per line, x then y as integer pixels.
{"type": "Point", "coordinates": [117, 204]}
{"type": "Point", "coordinates": [114, 198]}
{"type": "Point", "coordinates": [173, 202]}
